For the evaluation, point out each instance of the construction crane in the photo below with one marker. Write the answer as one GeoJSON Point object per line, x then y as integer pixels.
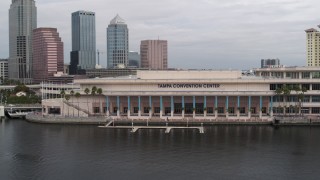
{"type": "Point", "coordinates": [98, 54]}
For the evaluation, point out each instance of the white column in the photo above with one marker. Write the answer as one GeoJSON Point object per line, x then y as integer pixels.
{"type": "Point", "coordinates": [216, 107]}
{"type": "Point", "coordinates": [118, 106]}
{"type": "Point", "coordinates": [150, 107]}
{"type": "Point", "coordinates": [172, 106]}
{"type": "Point", "coordinates": [139, 105]}
{"type": "Point", "coordinates": [260, 108]}
{"type": "Point", "coordinates": [194, 106]}
{"type": "Point", "coordinates": [238, 107]}
{"type": "Point", "coordinates": [183, 107]}
{"type": "Point", "coordinates": [161, 107]}
{"type": "Point", "coordinates": [249, 107]}
{"type": "Point", "coordinates": [129, 107]}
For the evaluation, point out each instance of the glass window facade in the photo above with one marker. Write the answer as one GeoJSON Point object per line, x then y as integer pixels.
{"type": "Point", "coordinates": [117, 43]}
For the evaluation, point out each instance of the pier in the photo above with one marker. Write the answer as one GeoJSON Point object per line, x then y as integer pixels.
{"type": "Point", "coordinates": [167, 128]}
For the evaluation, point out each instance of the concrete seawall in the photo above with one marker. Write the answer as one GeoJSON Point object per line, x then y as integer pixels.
{"type": "Point", "coordinates": [154, 121]}
{"type": "Point", "coordinates": [296, 120]}
{"type": "Point", "coordinates": [65, 120]}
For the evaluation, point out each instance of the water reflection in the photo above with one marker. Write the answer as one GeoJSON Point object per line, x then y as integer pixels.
{"type": "Point", "coordinates": [35, 151]}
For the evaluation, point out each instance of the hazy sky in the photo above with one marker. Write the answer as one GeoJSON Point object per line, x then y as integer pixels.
{"type": "Point", "coordinates": [205, 34]}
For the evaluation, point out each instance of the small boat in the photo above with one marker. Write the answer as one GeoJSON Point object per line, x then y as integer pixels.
{"type": "Point", "coordinates": [16, 114]}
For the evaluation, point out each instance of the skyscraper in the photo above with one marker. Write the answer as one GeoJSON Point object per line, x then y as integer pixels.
{"type": "Point", "coordinates": [22, 20]}
{"type": "Point", "coordinates": [267, 63]}
{"type": "Point", "coordinates": [47, 54]}
{"type": "Point", "coordinates": [117, 43]}
{"type": "Point", "coordinates": [154, 54]}
{"type": "Point", "coordinates": [83, 54]}
{"type": "Point", "coordinates": [313, 47]}
{"type": "Point", "coordinates": [134, 59]}
{"type": "Point", "coordinates": [3, 69]}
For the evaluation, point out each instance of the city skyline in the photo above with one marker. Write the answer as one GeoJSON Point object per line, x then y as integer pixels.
{"type": "Point", "coordinates": [238, 33]}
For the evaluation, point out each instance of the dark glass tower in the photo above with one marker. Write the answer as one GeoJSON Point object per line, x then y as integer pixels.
{"type": "Point", "coordinates": [83, 54]}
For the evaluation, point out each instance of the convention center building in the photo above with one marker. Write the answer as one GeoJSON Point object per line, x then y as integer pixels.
{"type": "Point", "coordinates": [198, 94]}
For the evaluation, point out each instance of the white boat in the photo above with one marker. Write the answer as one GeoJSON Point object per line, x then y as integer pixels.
{"type": "Point", "coordinates": [17, 114]}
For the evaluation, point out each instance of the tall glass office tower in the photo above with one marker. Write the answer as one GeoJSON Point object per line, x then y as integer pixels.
{"type": "Point", "coordinates": [83, 54]}
{"type": "Point", "coordinates": [22, 20]}
{"type": "Point", "coordinates": [117, 43]}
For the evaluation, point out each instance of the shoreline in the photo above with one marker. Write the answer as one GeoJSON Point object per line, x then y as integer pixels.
{"type": "Point", "coordinates": [175, 122]}
{"type": "Point", "coordinates": [104, 120]}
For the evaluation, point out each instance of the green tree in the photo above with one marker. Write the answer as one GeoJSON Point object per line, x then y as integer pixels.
{"type": "Point", "coordinates": [296, 89]}
{"type": "Point", "coordinates": [99, 91]}
{"type": "Point", "coordinates": [93, 93]}
{"type": "Point", "coordinates": [278, 92]}
{"type": "Point", "coordinates": [301, 98]}
{"type": "Point", "coordinates": [67, 97]}
{"type": "Point", "coordinates": [62, 95]}
{"type": "Point", "coordinates": [286, 92]}
{"type": "Point", "coordinates": [72, 95]}
{"type": "Point", "coordinates": [77, 95]}
{"type": "Point", "coordinates": [87, 91]}
{"type": "Point", "coordinates": [20, 88]}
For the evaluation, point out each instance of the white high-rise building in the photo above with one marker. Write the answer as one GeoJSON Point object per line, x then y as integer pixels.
{"type": "Point", "coordinates": [22, 21]}
{"type": "Point", "coordinates": [313, 47]}
{"type": "Point", "coordinates": [117, 43]}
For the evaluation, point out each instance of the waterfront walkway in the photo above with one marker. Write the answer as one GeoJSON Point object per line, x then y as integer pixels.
{"type": "Point", "coordinates": [98, 120]}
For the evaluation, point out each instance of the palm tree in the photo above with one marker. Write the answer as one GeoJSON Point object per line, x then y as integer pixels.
{"type": "Point", "coordinates": [87, 91]}
{"type": "Point", "coordinates": [286, 92]}
{"type": "Point", "coordinates": [93, 93]}
{"type": "Point", "coordinates": [62, 94]}
{"type": "Point", "coordinates": [77, 95]}
{"type": "Point", "coordinates": [99, 91]}
{"type": "Point", "coordinates": [67, 97]}
{"type": "Point", "coordinates": [278, 93]}
{"type": "Point", "coordinates": [301, 98]}
{"type": "Point", "coordinates": [72, 94]}
{"type": "Point", "coordinates": [296, 88]}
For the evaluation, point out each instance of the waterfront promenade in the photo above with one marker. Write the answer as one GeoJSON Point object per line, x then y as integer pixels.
{"type": "Point", "coordinates": [98, 120]}
{"type": "Point", "coordinates": [102, 120]}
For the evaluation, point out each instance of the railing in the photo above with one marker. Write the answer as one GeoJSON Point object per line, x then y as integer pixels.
{"type": "Point", "coordinates": [19, 106]}
{"type": "Point", "coordinates": [77, 107]}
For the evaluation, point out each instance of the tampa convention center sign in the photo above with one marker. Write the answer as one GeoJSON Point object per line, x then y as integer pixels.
{"type": "Point", "coordinates": [188, 86]}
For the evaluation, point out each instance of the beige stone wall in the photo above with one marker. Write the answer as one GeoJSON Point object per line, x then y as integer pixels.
{"type": "Point", "coordinates": [188, 74]}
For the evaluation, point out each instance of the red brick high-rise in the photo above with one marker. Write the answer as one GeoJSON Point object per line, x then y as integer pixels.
{"type": "Point", "coordinates": [154, 54]}
{"type": "Point", "coordinates": [47, 54]}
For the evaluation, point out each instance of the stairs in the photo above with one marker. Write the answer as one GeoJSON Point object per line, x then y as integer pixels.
{"type": "Point", "coordinates": [77, 108]}
{"type": "Point", "coordinates": [109, 123]}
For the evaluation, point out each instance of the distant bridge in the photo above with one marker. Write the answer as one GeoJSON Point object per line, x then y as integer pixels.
{"type": "Point", "coordinates": [22, 107]}
{"type": "Point", "coordinates": [35, 86]}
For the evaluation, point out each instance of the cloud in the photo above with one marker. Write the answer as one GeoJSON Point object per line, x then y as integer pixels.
{"type": "Point", "coordinates": [204, 33]}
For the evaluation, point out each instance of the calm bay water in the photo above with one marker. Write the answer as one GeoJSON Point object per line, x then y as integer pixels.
{"type": "Point", "coordinates": [35, 151]}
